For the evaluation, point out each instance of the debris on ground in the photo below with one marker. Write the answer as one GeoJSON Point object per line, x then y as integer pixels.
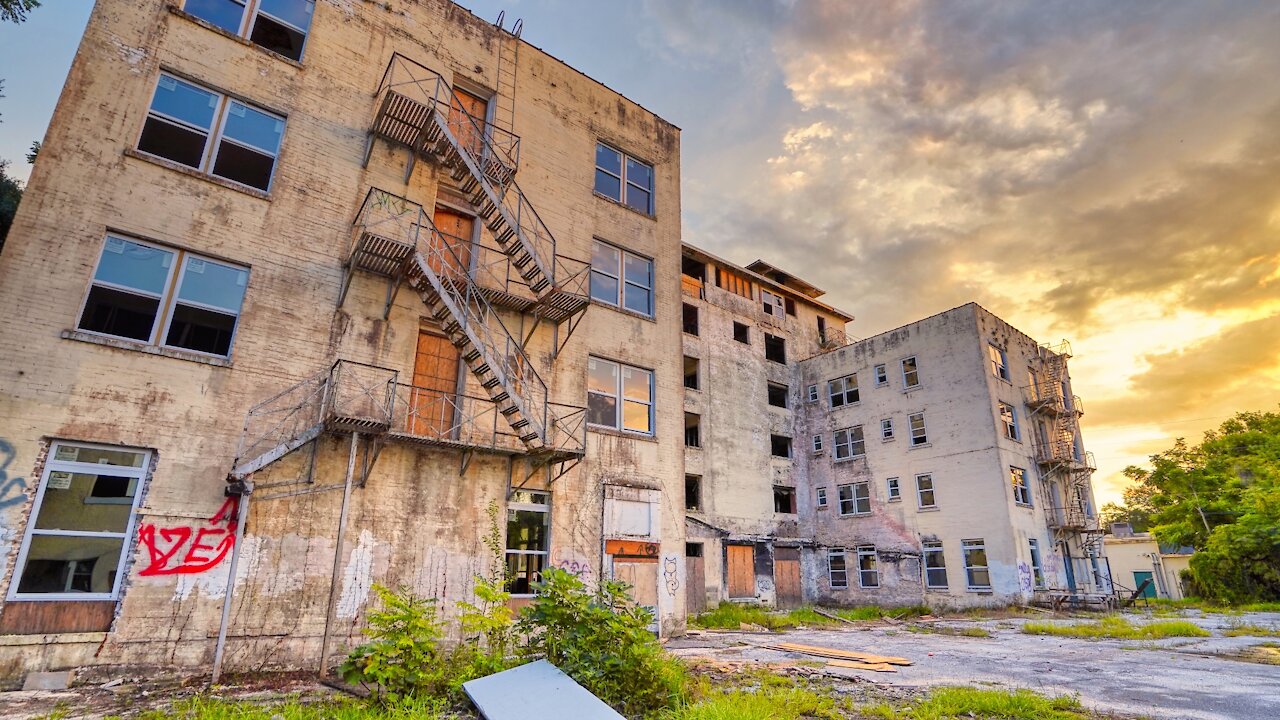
{"type": "Point", "coordinates": [834, 653]}
{"type": "Point", "coordinates": [535, 690]}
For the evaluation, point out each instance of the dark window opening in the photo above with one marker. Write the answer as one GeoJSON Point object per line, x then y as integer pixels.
{"type": "Point", "coordinates": [111, 486]}
{"type": "Point", "coordinates": [778, 395]}
{"type": "Point", "coordinates": [775, 348]}
{"type": "Point", "coordinates": [691, 373]}
{"type": "Point", "coordinates": [690, 319]}
{"type": "Point", "coordinates": [201, 330]}
{"type": "Point", "coordinates": [791, 306]}
{"type": "Point", "coordinates": [123, 314]}
{"type": "Point", "coordinates": [169, 141]}
{"type": "Point", "coordinates": [244, 166]}
{"type": "Point", "coordinates": [822, 329]}
{"type": "Point", "coordinates": [784, 500]}
{"type": "Point", "coordinates": [692, 430]}
{"type": "Point", "coordinates": [741, 333]}
{"type": "Point", "coordinates": [780, 446]}
{"type": "Point", "coordinates": [693, 268]}
{"type": "Point", "coordinates": [692, 493]}
{"type": "Point", "coordinates": [277, 37]}
{"type": "Point", "coordinates": [693, 549]}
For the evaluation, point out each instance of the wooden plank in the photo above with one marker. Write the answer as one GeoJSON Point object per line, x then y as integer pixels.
{"type": "Point", "coordinates": [56, 616]}
{"type": "Point", "coordinates": [786, 581]}
{"type": "Point", "coordinates": [631, 548]}
{"type": "Point", "coordinates": [855, 665]}
{"type": "Point", "coordinates": [741, 570]}
{"type": "Point", "coordinates": [695, 585]}
{"type": "Point", "coordinates": [833, 616]}
{"type": "Point", "coordinates": [840, 654]}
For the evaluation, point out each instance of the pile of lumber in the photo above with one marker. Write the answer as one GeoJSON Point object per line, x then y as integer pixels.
{"type": "Point", "coordinates": [845, 658]}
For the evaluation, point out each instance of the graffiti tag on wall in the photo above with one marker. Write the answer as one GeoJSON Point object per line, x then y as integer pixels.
{"type": "Point", "coordinates": [576, 565]}
{"type": "Point", "coordinates": [671, 574]}
{"type": "Point", "coordinates": [1025, 577]}
{"type": "Point", "coordinates": [187, 550]}
{"type": "Point", "coordinates": [13, 491]}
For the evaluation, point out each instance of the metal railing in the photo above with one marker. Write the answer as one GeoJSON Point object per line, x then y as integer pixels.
{"type": "Point", "coordinates": [388, 216]}
{"type": "Point", "coordinates": [283, 417]}
{"type": "Point", "coordinates": [360, 395]}
{"type": "Point", "coordinates": [446, 417]}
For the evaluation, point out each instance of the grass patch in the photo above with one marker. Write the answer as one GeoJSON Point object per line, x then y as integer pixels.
{"type": "Point", "coordinates": [732, 616]}
{"type": "Point", "coordinates": [766, 703]}
{"type": "Point", "coordinates": [875, 612]}
{"type": "Point", "coordinates": [962, 702]}
{"type": "Point", "coordinates": [207, 708]}
{"type": "Point", "coordinates": [1117, 627]}
{"type": "Point", "coordinates": [1238, 629]}
{"type": "Point", "coordinates": [973, 632]}
{"type": "Point", "coordinates": [1212, 607]}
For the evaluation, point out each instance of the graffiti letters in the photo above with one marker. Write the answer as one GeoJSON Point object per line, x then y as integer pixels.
{"type": "Point", "coordinates": [13, 491]}
{"type": "Point", "coordinates": [1024, 577]}
{"type": "Point", "coordinates": [575, 566]}
{"type": "Point", "coordinates": [671, 574]}
{"type": "Point", "coordinates": [187, 550]}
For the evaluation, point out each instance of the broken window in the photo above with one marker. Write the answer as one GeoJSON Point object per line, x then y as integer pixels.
{"type": "Point", "coordinates": [919, 436]}
{"type": "Point", "coordinates": [277, 25]}
{"type": "Point", "coordinates": [843, 390]}
{"type": "Point", "coordinates": [619, 396]}
{"type": "Point", "coordinates": [1009, 419]}
{"type": "Point", "coordinates": [855, 498]}
{"type": "Point", "coordinates": [935, 565]}
{"type": "Point", "coordinates": [868, 572]}
{"type": "Point", "coordinates": [1037, 571]}
{"type": "Point", "coordinates": [999, 362]}
{"type": "Point", "coordinates": [821, 497]}
{"type": "Point", "coordinates": [924, 492]}
{"type": "Point", "coordinates": [733, 282]}
{"type": "Point", "coordinates": [692, 430]}
{"type": "Point", "coordinates": [849, 443]}
{"type": "Point", "coordinates": [886, 429]}
{"type": "Point", "coordinates": [528, 531]}
{"type": "Point", "coordinates": [811, 393]}
{"type": "Point", "coordinates": [775, 348]}
{"type": "Point", "coordinates": [837, 574]}
{"type": "Point", "coordinates": [162, 296]}
{"type": "Point", "coordinates": [777, 395]}
{"type": "Point", "coordinates": [882, 376]}
{"type": "Point", "coordinates": [691, 379]}
{"type": "Point", "coordinates": [822, 330]}
{"type": "Point", "coordinates": [894, 489]}
{"type": "Point", "coordinates": [975, 564]}
{"type": "Point", "coordinates": [741, 333]}
{"type": "Point", "coordinates": [690, 319]}
{"type": "Point", "coordinates": [817, 443]}
{"type": "Point", "coordinates": [784, 499]}
{"type": "Point", "coordinates": [693, 493]}
{"type": "Point", "coordinates": [621, 278]}
{"type": "Point", "coordinates": [780, 446]}
{"type": "Point", "coordinates": [790, 306]}
{"type": "Point", "coordinates": [692, 549]}
{"type": "Point", "coordinates": [910, 373]}
{"type": "Point", "coordinates": [624, 179]}
{"type": "Point", "coordinates": [181, 122]}
{"type": "Point", "coordinates": [772, 304]}
{"type": "Point", "coordinates": [74, 545]}
{"type": "Point", "coordinates": [1021, 485]}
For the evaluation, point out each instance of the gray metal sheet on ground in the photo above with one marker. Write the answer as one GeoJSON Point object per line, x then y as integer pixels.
{"type": "Point", "coordinates": [537, 691]}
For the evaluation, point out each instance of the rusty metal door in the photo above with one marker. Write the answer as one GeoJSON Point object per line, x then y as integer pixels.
{"type": "Point", "coordinates": [433, 400]}
{"type": "Point", "coordinates": [786, 577]}
{"type": "Point", "coordinates": [740, 567]}
{"type": "Point", "coordinates": [695, 585]}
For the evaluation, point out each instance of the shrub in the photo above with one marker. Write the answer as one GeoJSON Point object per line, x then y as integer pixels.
{"type": "Point", "coordinates": [487, 624]}
{"type": "Point", "coordinates": [603, 641]}
{"type": "Point", "coordinates": [404, 659]}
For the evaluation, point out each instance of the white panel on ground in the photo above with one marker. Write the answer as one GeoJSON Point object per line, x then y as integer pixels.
{"type": "Point", "coordinates": [537, 691]}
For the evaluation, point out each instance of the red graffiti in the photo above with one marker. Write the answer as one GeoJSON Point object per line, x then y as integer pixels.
{"type": "Point", "coordinates": [204, 547]}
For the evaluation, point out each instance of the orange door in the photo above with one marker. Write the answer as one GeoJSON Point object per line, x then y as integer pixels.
{"type": "Point", "coordinates": [741, 570]}
{"type": "Point", "coordinates": [451, 247]}
{"type": "Point", "coordinates": [435, 387]}
{"type": "Point", "coordinates": [467, 115]}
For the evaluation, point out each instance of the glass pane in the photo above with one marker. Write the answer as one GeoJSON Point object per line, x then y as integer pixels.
{"type": "Point", "coordinates": [253, 127]}
{"type": "Point", "coordinates": [976, 557]}
{"type": "Point", "coordinates": [210, 283]}
{"type": "Point", "coordinates": [59, 564]}
{"type": "Point", "coordinates": [636, 384]}
{"type": "Point", "coordinates": [602, 376]}
{"type": "Point", "coordinates": [526, 530]}
{"type": "Point", "coordinates": [639, 199]}
{"type": "Point", "coordinates": [173, 142]}
{"type": "Point", "coordinates": [608, 185]}
{"type": "Point", "coordinates": [185, 101]}
{"type": "Point", "coordinates": [201, 330]}
{"type": "Point", "coordinates": [604, 258]}
{"type": "Point", "coordinates": [602, 410]}
{"type": "Point", "coordinates": [528, 497]}
{"type": "Point", "coordinates": [837, 562]}
{"type": "Point", "coordinates": [523, 571]}
{"type": "Point", "coordinates": [639, 271]}
{"type": "Point", "coordinates": [133, 265]}
{"type": "Point", "coordinates": [98, 456]}
{"type": "Point", "coordinates": [604, 288]}
{"type": "Point", "coordinates": [609, 159]}
{"type": "Point", "coordinates": [226, 14]}
{"type": "Point", "coordinates": [243, 165]}
{"type": "Point", "coordinates": [635, 416]}
{"type": "Point", "coordinates": [637, 300]}
{"type": "Point", "coordinates": [295, 12]}
{"type": "Point", "coordinates": [74, 501]}
{"type": "Point", "coordinates": [123, 314]}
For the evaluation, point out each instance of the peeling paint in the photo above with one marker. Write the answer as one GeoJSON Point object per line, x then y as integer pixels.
{"type": "Point", "coordinates": [357, 578]}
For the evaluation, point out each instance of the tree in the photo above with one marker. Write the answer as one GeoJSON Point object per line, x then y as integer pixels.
{"type": "Point", "coordinates": [10, 194]}
{"type": "Point", "coordinates": [16, 10]}
{"type": "Point", "coordinates": [33, 152]}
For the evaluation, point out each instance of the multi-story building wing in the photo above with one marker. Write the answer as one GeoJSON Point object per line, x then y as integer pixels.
{"type": "Point", "coordinates": [301, 288]}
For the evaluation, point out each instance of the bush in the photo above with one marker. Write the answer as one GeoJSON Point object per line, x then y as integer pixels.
{"type": "Point", "coordinates": [603, 641]}
{"type": "Point", "coordinates": [404, 659]}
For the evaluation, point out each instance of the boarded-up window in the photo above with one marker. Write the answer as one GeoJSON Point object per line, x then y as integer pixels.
{"type": "Point", "coordinates": [733, 282]}
{"type": "Point", "coordinates": [629, 517]}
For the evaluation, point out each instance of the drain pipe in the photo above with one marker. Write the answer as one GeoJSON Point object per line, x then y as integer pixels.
{"type": "Point", "coordinates": [337, 557]}
{"type": "Point", "coordinates": [242, 516]}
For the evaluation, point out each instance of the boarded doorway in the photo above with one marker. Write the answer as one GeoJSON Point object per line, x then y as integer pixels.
{"type": "Point", "coordinates": [433, 411]}
{"type": "Point", "coordinates": [695, 579]}
{"type": "Point", "coordinates": [740, 566]}
{"type": "Point", "coordinates": [451, 248]}
{"type": "Point", "coordinates": [786, 577]}
{"type": "Point", "coordinates": [467, 115]}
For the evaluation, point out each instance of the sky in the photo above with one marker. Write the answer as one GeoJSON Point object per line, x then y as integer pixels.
{"type": "Point", "coordinates": [1106, 173]}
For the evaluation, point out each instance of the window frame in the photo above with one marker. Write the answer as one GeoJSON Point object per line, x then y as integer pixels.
{"type": "Point", "coordinates": [849, 443]}
{"type": "Point", "coordinates": [844, 383]}
{"type": "Point", "coordinates": [975, 545]}
{"type": "Point", "coordinates": [168, 299]}
{"type": "Point", "coordinates": [620, 399]}
{"type": "Point", "coordinates": [820, 498]}
{"type": "Point", "coordinates": [249, 21]}
{"type": "Point", "coordinates": [544, 508]}
{"type": "Point", "coordinates": [833, 553]}
{"type": "Point", "coordinates": [790, 445]}
{"type": "Point", "coordinates": [859, 497]}
{"type": "Point", "coordinates": [811, 393]}
{"type": "Point", "coordinates": [1037, 569]}
{"type": "Point", "coordinates": [770, 300]}
{"type": "Point", "coordinates": [881, 374]}
{"type": "Point", "coordinates": [999, 359]}
{"type": "Point", "coordinates": [915, 370]}
{"type": "Point", "coordinates": [127, 538]}
{"type": "Point", "coordinates": [792, 500]}
{"type": "Point", "coordinates": [620, 299]}
{"type": "Point", "coordinates": [920, 438]}
{"type": "Point", "coordinates": [1012, 430]}
{"type": "Point", "coordinates": [893, 489]}
{"type": "Point", "coordinates": [1021, 490]}
{"type": "Point", "coordinates": [624, 181]}
{"type": "Point", "coordinates": [932, 490]}
{"type": "Point", "coordinates": [771, 388]}
{"type": "Point", "coordinates": [934, 548]}
{"type": "Point", "coordinates": [817, 444]}
{"type": "Point", "coordinates": [886, 429]}
{"type": "Point", "coordinates": [863, 553]}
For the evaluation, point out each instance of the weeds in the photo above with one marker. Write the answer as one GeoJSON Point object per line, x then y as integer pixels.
{"type": "Point", "coordinates": [1236, 628]}
{"type": "Point", "coordinates": [874, 612]}
{"type": "Point", "coordinates": [961, 702]}
{"type": "Point", "coordinates": [207, 708]}
{"type": "Point", "coordinates": [763, 704]}
{"type": "Point", "coordinates": [1117, 627]}
{"type": "Point", "coordinates": [973, 632]}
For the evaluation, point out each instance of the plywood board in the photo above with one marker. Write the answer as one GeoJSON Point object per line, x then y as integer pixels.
{"type": "Point", "coordinates": [741, 570]}
{"type": "Point", "coordinates": [537, 691]}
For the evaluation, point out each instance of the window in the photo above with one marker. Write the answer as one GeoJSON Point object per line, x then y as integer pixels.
{"type": "Point", "coordinates": [822, 330]}
{"type": "Point", "coordinates": [692, 493]}
{"type": "Point", "coordinates": [775, 348]}
{"type": "Point", "coordinates": [999, 362]}
{"type": "Point", "coordinates": [1009, 418]}
{"type": "Point", "coordinates": [868, 574]}
{"type": "Point", "coordinates": [160, 296]}
{"type": "Point", "coordinates": [935, 565]}
{"type": "Point", "coordinates": [886, 429]}
{"type": "Point", "coordinates": [784, 500]}
{"type": "Point", "coordinates": [817, 444]}
{"type": "Point", "coordinates": [772, 303]}
{"type": "Point", "coordinates": [894, 489]}
{"type": "Point", "coordinates": [84, 511]}
{"type": "Point", "coordinates": [777, 395]}
{"type": "Point", "coordinates": [617, 173]}
{"type": "Point", "coordinates": [1037, 571]}
{"type": "Point", "coordinates": [790, 306]}
{"type": "Point", "coordinates": [528, 521]}
{"type": "Point", "coordinates": [780, 446]}
{"type": "Point", "coordinates": [882, 376]}
{"type": "Point", "coordinates": [741, 333]}
{"type": "Point", "coordinates": [910, 373]}
{"type": "Point", "coordinates": [821, 497]}
{"type": "Point", "coordinates": [811, 393]}
{"type": "Point", "coordinates": [837, 575]}
{"type": "Point", "coordinates": [693, 549]}
{"type": "Point", "coordinates": [733, 282]}
{"type": "Point", "coordinates": [1021, 485]}
{"type": "Point", "coordinates": [924, 491]}
{"type": "Point", "coordinates": [918, 434]}
{"type": "Point", "coordinates": [975, 564]}
{"type": "Point", "coordinates": [843, 390]}
{"type": "Point", "coordinates": [855, 499]}
{"type": "Point", "coordinates": [849, 443]}
{"type": "Point", "coordinates": [691, 378]}
{"type": "Point", "coordinates": [621, 278]}
{"type": "Point", "coordinates": [690, 319]}
{"type": "Point", "coordinates": [619, 396]}
{"type": "Point", "coordinates": [277, 25]}
{"type": "Point", "coordinates": [692, 430]}
{"type": "Point", "coordinates": [184, 118]}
